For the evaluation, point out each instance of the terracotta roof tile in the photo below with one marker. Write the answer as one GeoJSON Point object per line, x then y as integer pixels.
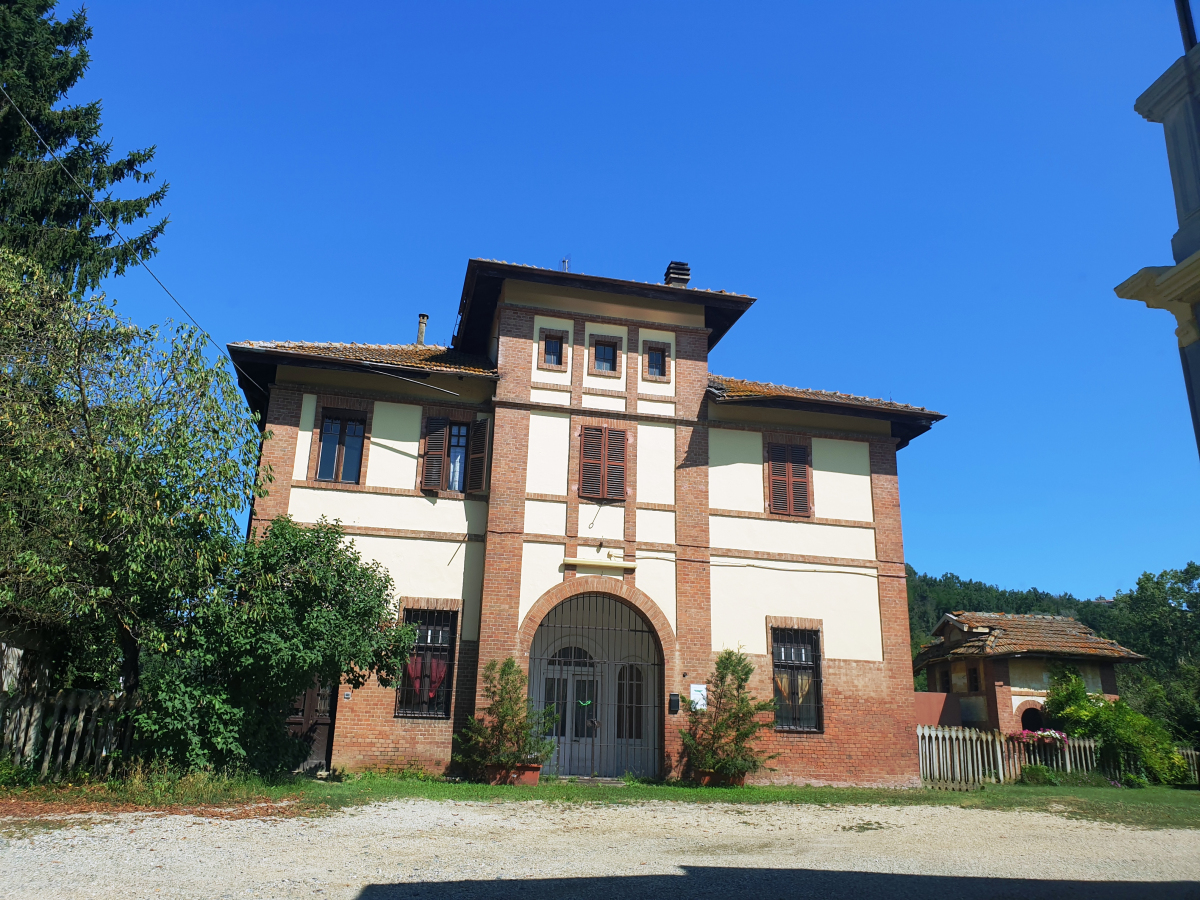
{"type": "Point", "coordinates": [1008, 634]}
{"type": "Point", "coordinates": [431, 357]}
{"type": "Point", "coordinates": [726, 388]}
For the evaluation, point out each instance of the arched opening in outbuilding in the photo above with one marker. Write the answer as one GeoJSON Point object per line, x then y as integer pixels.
{"type": "Point", "coordinates": [1031, 719]}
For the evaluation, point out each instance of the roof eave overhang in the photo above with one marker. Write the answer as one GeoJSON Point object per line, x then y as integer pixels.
{"type": "Point", "coordinates": [485, 279]}
{"type": "Point", "coordinates": [905, 425]}
{"type": "Point", "coordinates": [921, 662]}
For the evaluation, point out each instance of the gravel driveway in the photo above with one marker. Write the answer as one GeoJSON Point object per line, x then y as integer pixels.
{"type": "Point", "coordinates": [655, 850]}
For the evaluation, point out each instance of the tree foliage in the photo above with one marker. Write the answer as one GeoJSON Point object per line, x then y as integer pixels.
{"type": "Point", "coordinates": [510, 732]}
{"type": "Point", "coordinates": [1128, 741]}
{"type": "Point", "coordinates": [297, 607]}
{"type": "Point", "coordinates": [44, 215]}
{"type": "Point", "coordinates": [722, 736]}
{"type": "Point", "coordinates": [125, 458]}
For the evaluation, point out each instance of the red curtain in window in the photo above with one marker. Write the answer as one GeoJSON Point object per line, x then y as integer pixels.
{"type": "Point", "coordinates": [437, 674]}
{"type": "Point", "coordinates": [414, 671]}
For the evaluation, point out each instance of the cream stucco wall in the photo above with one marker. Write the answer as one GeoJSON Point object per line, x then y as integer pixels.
{"type": "Point", "coordinates": [666, 389]}
{"type": "Point", "coordinates": [595, 303]}
{"type": "Point", "coordinates": [600, 381]}
{"type": "Point", "coordinates": [542, 375]}
{"type": "Point", "coordinates": [656, 578]}
{"type": "Point", "coordinates": [549, 451]}
{"type": "Point", "coordinates": [424, 568]}
{"type": "Point", "coordinates": [544, 395]}
{"type": "Point", "coordinates": [545, 517]}
{"type": "Point", "coordinates": [800, 538]}
{"type": "Point", "coordinates": [308, 413]}
{"type": "Point", "coordinates": [735, 479]}
{"type": "Point", "coordinates": [389, 511]}
{"type": "Point", "coordinates": [656, 407]}
{"type": "Point", "coordinates": [841, 473]}
{"type": "Point", "coordinates": [541, 569]}
{"type": "Point", "coordinates": [601, 521]}
{"type": "Point", "coordinates": [845, 599]}
{"type": "Point", "coordinates": [1034, 673]}
{"type": "Point", "coordinates": [656, 463]}
{"type": "Point", "coordinates": [601, 554]}
{"type": "Point", "coordinates": [599, 401]}
{"type": "Point", "coordinates": [656, 526]}
{"type": "Point", "coordinates": [395, 443]}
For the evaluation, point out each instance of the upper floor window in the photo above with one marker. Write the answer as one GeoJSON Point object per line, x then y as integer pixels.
{"type": "Point", "coordinates": [973, 683]}
{"type": "Point", "coordinates": [788, 479]}
{"type": "Point", "coordinates": [340, 458]}
{"type": "Point", "coordinates": [552, 350]}
{"type": "Point", "coordinates": [656, 361]}
{"type": "Point", "coordinates": [455, 457]}
{"type": "Point", "coordinates": [797, 669]}
{"type": "Point", "coordinates": [602, 463]}
{"type": "Point", "coordinates": [605, 355]}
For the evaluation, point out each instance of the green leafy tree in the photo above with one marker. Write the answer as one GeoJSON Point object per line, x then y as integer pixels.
{"type": "Point", "coordinates": [125, 459]}
{"type": "Point", "coordinates": [510, 732]}
{"type": "Point", "coordinates": [44, 214]}
{"type": "Point", "coordinates": [722, 736]}
{"type": "Point", "coordinates": [297, 607]}
{"type": "Point", "coordinates": [1129, 742]}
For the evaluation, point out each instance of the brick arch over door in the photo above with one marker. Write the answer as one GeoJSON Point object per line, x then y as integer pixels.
{"type": "Point", "coordinates": [1038, 704]}
{"type": "Point", "coordinates": [597, 584]}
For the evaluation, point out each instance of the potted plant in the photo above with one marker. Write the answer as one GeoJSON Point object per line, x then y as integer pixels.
{"type": "Point", "coordinates": [508, 743]}
{"type": "Point", "coordinates": [719, 741]}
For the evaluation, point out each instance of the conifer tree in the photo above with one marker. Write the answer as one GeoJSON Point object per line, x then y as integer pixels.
{"type": "Point", "coordinates": [44, 215]}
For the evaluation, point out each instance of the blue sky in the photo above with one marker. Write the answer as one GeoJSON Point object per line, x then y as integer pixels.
{"type": "Point", "coordinates": [932, 202]}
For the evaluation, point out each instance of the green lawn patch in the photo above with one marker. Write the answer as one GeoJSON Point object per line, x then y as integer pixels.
{"type": "Point", "coordinates": [1155, 807]}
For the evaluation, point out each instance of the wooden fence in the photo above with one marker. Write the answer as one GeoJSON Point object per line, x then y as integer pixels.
{"type": "Point", "coordinates": [71, 731]}
{"type": "Point", "coordinates": [963, 758]}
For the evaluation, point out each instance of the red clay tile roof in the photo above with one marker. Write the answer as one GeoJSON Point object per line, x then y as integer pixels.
{"type": "Point", "coordinates": [429, 357]}
{"type": "Point", "coordinates": [739, 389]}
{"type": "Point", "coordinates": [1009, 634]}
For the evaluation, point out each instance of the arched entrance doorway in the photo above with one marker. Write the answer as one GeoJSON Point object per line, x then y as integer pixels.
{"type": "Point", "coordinates": [596, 662]}
{"type": "Point", "coordinates": [1031, 719]}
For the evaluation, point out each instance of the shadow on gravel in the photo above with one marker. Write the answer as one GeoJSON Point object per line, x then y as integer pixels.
{"type": "Point", "coordinates": [786, 884]}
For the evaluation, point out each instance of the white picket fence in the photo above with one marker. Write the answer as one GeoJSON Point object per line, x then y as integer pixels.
{"type": "Point", "coordinates": [955, 758]}
{"type": "Point", "coordinates": [67, 732]}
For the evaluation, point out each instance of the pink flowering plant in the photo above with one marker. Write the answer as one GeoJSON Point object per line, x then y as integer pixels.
{"type": "Point", "coordinates": [1046, 736]}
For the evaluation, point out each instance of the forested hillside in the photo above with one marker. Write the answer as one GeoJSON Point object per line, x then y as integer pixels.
{"type": "Point", "coordinates": [1159, 619]}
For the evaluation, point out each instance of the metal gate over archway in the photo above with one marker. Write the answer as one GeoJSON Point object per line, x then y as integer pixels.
{"type": "Point", "coordinates": [597, 664]}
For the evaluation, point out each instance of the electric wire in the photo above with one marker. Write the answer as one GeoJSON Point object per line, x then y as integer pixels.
{"type": "Point", "coordinates": [113, 225]}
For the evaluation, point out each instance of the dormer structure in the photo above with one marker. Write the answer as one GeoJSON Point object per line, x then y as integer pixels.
{"type": "Point", "coordinates": [568, 484]}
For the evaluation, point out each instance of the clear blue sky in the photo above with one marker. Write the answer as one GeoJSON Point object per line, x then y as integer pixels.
{"type": "Point", "coordinates": [932, 203]}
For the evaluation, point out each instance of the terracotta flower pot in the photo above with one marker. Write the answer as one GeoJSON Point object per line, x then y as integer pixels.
{"type": "Point", "coordinates": [716, 779]}
{"type": "Point", "coordinates": [524, 775]}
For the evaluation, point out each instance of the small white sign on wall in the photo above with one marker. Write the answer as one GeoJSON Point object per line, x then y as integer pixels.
{"type": "Point", "coordinates": [699, 696]}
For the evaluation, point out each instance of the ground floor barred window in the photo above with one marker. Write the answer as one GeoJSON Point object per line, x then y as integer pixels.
{"type": "Point", "coordinates": [427, 680]}
{"type": "Point", "coordinates": [797, 668]}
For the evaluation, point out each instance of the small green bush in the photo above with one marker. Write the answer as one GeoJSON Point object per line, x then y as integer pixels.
{"type": "Point", "coordinates": [721, 737]}
{"type": "Point", "coordinates": [1038, 775]}
{"type": "Point", "coordinates": [1133, 780]}
{"type": "Point", "coordinates": [12, 775]}
{"type": "Point", "coordinates": [510, 732]}
{"type": "Point", "coordinates": [1128, 741]}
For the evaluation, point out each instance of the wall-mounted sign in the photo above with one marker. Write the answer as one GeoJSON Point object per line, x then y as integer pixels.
{"type": "Point", "coordinates": [699, 696]}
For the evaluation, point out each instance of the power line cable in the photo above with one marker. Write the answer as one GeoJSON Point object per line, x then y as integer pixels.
{"type": "Point", "coordinates": [113, 225]}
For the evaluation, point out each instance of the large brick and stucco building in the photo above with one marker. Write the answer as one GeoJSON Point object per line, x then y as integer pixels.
{"type": "Point", "coordinates": [569, 484]}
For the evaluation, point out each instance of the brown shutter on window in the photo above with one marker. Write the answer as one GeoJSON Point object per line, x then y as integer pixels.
{"type": "Point", "coordinates": [614, 464]}
{"type": "Point", "coordinates": [777, 476]}
{"type": "Point", "coordinates": [798, 478]}
{"type": "Point", "coordinates": [434, 469]}
{"type": "Point", "coordinates": [477, 451]}
{"type": "Point", "coordinates": [591, 463]}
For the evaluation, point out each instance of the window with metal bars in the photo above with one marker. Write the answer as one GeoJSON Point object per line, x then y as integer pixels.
{"type": "Point", "coordinates": [428, 678]}
{"type": "Point", "coordinates": [340, 457]}
{"type": "Point", "coordinates": [797, 668]}
{"type": "Point", "coordinates": [630, 702]}
{"type": "Point", "coordinates": [602, 463]}
{"type": "Point", "coordinates": [788, 479]}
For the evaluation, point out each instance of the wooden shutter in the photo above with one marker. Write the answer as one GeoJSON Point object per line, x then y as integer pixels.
{"type": "Point", "coordinates": [798, 477]}
{"type": "Point", "coordinates": [477, 455]}
{"type": "Point", "coordinates": [591, 463]}
{"type": "Point", "coordinates": [614, 464]}
{"type": "Point", "coordinates": [433, 472]}
{"type": "Point", "coordinates": [787, 476]}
